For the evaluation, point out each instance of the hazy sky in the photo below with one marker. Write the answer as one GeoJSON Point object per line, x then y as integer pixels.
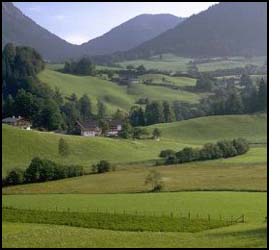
{"type": "Point", "coordinates": [81, 21]}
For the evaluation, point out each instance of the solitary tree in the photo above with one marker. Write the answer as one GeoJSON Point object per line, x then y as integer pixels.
{"type": "Point", "coordinates": [63, 147]}
{"type": "Point", "coordinates": [154, 179]}
{"type": "Point", "coordinates": [156, 133]}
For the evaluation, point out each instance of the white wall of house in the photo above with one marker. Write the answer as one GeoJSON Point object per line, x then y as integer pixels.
{"type": "Point", "coordinates": [88, 133]}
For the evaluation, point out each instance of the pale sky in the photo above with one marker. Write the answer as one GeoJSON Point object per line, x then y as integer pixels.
{"type": "Point", "coordinates": [78, 22]}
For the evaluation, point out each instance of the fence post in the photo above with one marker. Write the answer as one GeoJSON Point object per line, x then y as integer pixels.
{"type": "Point", "coordinates": [208, 217]}
{"type": "Point", "coordinates": [189, 215]}
{"type": "Point", "coordinates": [243, 218]}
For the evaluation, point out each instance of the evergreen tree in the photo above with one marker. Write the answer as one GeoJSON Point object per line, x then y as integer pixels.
{"type": "Point", "coordinates": [101, 109]}
{"type": "Point", "coordinates": [168, 112]}
{"type": "Point", "coordinates": [85, 107]}
{"type": "Point", "coordinates": [234, 103]}
{"type": "Point", "coordinates": [137, 116]}
{"type": "Point", "coordinates": [50, 116]}
{"type": "Point", "coordinates": [262, 96]}
{"type": "Point", "coordinates": [9, 106]}
{"type": "Point", "coordinates": [154, 113]}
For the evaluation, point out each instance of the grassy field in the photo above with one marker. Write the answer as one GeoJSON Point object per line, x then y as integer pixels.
{"type": "Point", "coordinates": [234, 62]}
{"type": "Point", "coordinates": [172, 81]}
{"type": "Point", "coordinates": [114, 96]}
{"type": "Point", "coordinates": [86, 151]}
{"type": "Point", "coordinates": [207, 129]}
{"type": "Point", "coordinates": [246, 172]}
{"type": "Point", "coordinates": [38, 235]}
{"type": "Point", "coordinates": [118, 221]}
{"type": "Point", "coordinates": [226, 204]}
{"type": "Point", "coordinates": [170, 62]}
{"type": "Point", "coordinates": [83, 150]}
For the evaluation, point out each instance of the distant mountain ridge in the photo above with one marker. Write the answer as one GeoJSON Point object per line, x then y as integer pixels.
{"type": "Point", "coordinates": [131, 33]}
{"type": "Point", "coordinates": [224, 29]}
{"type": "Point", "coordinates": [22, 30]}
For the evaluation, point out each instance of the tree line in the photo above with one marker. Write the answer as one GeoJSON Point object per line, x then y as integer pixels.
{"type": "Point", "coordinates": [210, 151]}
{"type": "Point", "coordinates": [24, 95]}
{"type": "Point", "coordinates": [226, 98]}
{"type": "Point", "coordinates": [41, 170]}
{"type": "Point", "coordinates": [82, 67]}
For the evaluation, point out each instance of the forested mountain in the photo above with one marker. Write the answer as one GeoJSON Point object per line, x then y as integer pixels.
{"type": "Point", "coordinates": [225, 29]}
{"type": "Point", "coordinates": [21, 30]}
{"type": "Point", "coordinates": [131, 33]}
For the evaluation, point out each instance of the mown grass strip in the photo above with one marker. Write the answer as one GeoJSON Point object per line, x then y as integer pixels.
{"type": "Point", "coordinates": [120, 222]}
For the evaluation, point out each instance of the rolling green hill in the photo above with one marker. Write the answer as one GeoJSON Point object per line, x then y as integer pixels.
{"type": "Point", "coordinates": [115, 96]}
{"type": "Point", "coordinates": [86, 150]}
{"type": "Point", "coordinates": [211, 128]}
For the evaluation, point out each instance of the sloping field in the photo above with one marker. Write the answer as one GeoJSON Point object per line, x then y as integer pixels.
{"type": "Point", "coordinates": [86, 151]}
{"type": "Point", "coordinates": [83, 150]}
{"type": "Point", "coordinates": [212, 128]}
{"type": "Point", "coordinates": [114, 96]}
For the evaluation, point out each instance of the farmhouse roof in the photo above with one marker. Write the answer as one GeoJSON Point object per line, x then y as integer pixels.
{"type": "Point", "coordinates": [90, 124]}
{"type": "Point", "coordinates": [13, 119]}
{"type": "Point", "coordinates": [115, 122]}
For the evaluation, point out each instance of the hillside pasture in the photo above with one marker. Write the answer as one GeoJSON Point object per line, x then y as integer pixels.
{"type": "Point", "coordinates": [169, 80]}
{"type": "Point", "coordinates": [115, 96]}
{"type": "Point", "coordinates": [88, 150]}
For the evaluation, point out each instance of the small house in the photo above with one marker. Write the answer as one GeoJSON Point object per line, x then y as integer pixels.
{"type": "Point", "coordinates": [89, 128]}
{"type": "Point", "coordinates": [19, 122]}
{"type": "Point", "coordinates": [115, 126]}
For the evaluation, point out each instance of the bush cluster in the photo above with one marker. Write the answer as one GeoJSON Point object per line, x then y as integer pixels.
{"type": "Point", "coordinates": [41, 170]}
{"type": "Point", "coordinates": [221, 149]}
{"type": "Point", "coordinates": [102, 167]}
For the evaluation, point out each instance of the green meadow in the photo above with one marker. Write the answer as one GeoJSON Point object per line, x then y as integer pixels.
{"type": "Point", "coordinates": [87, 150]}
{"type": "Point", "coordinates": [200, 204]}
{"type": "Point", "coordinates": [115, 96]}
{"type": "Point", "coordinates": [39, 235]}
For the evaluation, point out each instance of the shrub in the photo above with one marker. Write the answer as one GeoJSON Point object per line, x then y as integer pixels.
{"type": "Point", "coordinates": [241, 145]}
{"type": "Point", "coordinates": [166, 153]}
{"type": "Point", "coordinates": [94, 168]}
{"type": "Point", "coordinates": [154, 178]}
{"type": "Point", "coordinates": [187, 154]}
{"type": "Point", "coordinates": [15, 176]}
{"type": "Point", "coordinates": [171, 160]}
{"type": "Point", "coordinates": [222, 149]}
{"type": "Point", "coordinates": [227, 148]}
{"type": "Point", "coordinates": [210, 151]}
{"type": "Point", "coordinates": [103, 167]}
